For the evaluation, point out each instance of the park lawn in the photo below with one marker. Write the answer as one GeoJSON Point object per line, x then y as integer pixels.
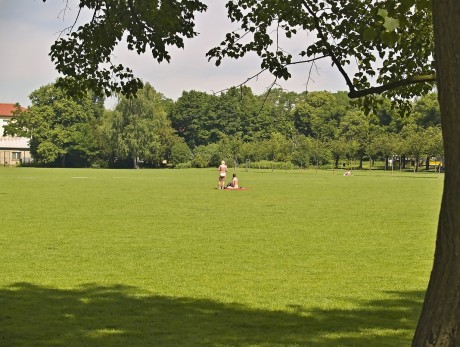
{"type": "Point", "coordinates": [163, 258]}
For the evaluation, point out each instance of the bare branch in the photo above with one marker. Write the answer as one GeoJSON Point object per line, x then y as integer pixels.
{"type": "Point", "coordinates": [64, 10]}
{"type": "Point", "coordinates": [269, 89]}
{"type": "Point", "coordinates": [262, 71]}
{"type": "Point", "coordinates": [242, 83]}
{"type": "Point", "coordinates": [329, 49]}
{"type": "Point", "coordinates": [309, 75]}
{"type": "Point", "coordinates": [69, 29]}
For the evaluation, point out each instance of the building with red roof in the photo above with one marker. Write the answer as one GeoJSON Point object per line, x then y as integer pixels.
{"type": "Point", "coordinates": [6, 114]}
{"type": "Point", "coordinates": [13, 150]}
{"type": "Point", "coordinates": [8, 109]}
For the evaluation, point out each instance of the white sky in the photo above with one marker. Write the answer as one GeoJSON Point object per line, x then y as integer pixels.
{"type": "Point", "coordinates": [29, 27]}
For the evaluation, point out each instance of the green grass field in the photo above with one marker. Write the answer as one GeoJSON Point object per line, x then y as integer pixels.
{"type": "Point", "coordinates": [162, 258]}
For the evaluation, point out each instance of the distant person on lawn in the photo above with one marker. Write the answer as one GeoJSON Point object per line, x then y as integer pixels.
{"type": "Point", "coordinates": [234, 183]}
{"type": "Point", "coordinates": [222, 174]}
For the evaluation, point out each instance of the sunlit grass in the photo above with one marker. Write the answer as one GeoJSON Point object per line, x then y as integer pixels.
{"type": "Point", "coordinates": [161, 257]}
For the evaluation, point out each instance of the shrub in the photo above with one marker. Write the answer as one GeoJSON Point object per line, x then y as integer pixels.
{"type": "Point", "coordinates": [273, 165]}
{"type": "Point", "coordinates": [186, 165]}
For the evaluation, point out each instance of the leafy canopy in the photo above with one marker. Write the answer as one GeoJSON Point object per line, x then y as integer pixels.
{"type": "Point", "coordinates": [389, 41]}
{"type": "Point", "coordinates": [84, 56]}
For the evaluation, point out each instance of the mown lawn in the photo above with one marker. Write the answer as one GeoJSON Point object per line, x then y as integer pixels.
{"type": "Point", "coordinates": [162, 258]}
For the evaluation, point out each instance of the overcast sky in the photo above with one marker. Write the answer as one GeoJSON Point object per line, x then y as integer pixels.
{"type": "Point", "coordinates": [29, 27]}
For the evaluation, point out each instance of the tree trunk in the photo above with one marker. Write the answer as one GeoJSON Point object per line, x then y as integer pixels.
{"type": "Point", "coordinates": [427, 164]}
{"type": "Point", "coordinates": [440, 317]}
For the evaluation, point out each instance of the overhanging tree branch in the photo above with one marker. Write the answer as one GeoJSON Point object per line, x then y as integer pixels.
{"type": "Point", "coordinates": [353, 94]}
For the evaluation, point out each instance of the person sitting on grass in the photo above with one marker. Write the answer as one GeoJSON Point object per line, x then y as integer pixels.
{"type": "Point", "coordinates": [234, 183]}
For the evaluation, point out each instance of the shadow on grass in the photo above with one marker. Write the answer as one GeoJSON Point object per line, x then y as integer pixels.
{"type": "Point", "coordinates": [92, 315]}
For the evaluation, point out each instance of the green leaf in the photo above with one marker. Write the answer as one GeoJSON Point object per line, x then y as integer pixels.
{"type": "Point", "coordinates": [389, 38]}
{"type": "Point", "coordinates": [424, 5]}
{"type": "Point", "coordinates": [406, 5]}
{"type": "Point", "coordinates": [382, 13]}
{"type": "Point", "coordinates": [391, 23]}
{"type": "Point", "coordinates": [369, 34]}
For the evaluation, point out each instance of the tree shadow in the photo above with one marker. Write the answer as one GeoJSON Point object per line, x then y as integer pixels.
{"type": "Point", "coordinates": [93, 315]}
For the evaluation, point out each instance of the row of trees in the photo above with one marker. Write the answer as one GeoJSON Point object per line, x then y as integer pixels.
{"type": "Point", "coordinates": [81, 132]}
{"type": "Point", "coordinates": [315, 128]}
{"type": "Point", "coordinates": [199, 129]}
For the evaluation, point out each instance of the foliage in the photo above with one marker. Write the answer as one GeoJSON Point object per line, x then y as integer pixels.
{"type": "Point", "coordinates": [318, 114]}
{"type": "Point", "coordinates": [202, 118]}
{"type": "Point", "coordinates": [139, 130]}
{"type": "Point", "coordinates": [206, 156]}
{"type": "Point", "coordinates": [399, 32]}
{"type": "Point", "coordinates": [415, 142]}
{"type": "Point", "coordinates": [60, 128]}
{"type": "Point", "coordinates": [180, 152]}
{"type": "Point", "coordinates": [426, 110]}
{"type": "Point", "coordinates": [434, 142]}
{"type": "Point", "coordinates": [85, 55]}
{"type": "Point", "coordinates": [301, 151]}
{"type": "Point", "coordinates": [272, 165]}
{"type": "Point", "coordinates": [341, 130]}
{"type": "Point", "coordinates": [318, 128]}
{"type": "Point", "coordinates": [345, 31]}
{"type": "Point", "coordinates": [193, 119]}
{"type": "Point", "coordinates": [184, 165]}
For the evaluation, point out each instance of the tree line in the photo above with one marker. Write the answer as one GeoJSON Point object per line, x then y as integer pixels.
{"type": "Point", "coordinates": [275, 129]}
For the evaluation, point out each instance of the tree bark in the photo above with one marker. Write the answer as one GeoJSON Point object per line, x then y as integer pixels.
{"type": "Point", "coordinates": [440, 317]}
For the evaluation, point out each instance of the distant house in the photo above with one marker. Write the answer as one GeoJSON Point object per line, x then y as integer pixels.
{"type": "Point", "coordinates": [13, 150]}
